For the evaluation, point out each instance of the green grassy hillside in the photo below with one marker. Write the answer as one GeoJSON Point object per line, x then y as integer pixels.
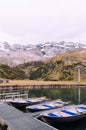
{"type": "Point", "coordinates": [7, 72]}
{"type": "Point", "coordinates": [59, 68]}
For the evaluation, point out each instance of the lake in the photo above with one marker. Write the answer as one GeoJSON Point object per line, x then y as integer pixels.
{"type": "Point", "coordinates": [75, 95]}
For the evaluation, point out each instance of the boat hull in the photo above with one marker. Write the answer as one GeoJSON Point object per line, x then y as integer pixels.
{"type": "Point", "coordinates": [63, 120]}
{"type": "Point", "coordinates": [21, 105]}
{"type": "Point", "coordinates": [37, 110]}
{"type": "Point", "coordinates": [46, 106]}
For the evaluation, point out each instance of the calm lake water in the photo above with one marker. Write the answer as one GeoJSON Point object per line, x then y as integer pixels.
{"type": "Point", "coordinates": [75, 95]}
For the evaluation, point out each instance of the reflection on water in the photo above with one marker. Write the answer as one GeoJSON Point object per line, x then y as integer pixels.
{"type": "Point", "coordinates": [74, 95]}
{"type": "Point", "coordinates": [2, 128]}
{"type": "Point", "coordinates": [73, 126]}
{"type": "Point", "coordinates": [65, 94]}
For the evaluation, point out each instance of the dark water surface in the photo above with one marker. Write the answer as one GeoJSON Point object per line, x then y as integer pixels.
{"type": "Point", "coordinates": [75, 95]}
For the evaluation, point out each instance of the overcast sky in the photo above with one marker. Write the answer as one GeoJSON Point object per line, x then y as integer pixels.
{"type": "Point", "coordinates": [38, 21]}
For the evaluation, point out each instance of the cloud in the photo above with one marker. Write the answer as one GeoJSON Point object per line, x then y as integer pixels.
{"type": "Point", "coordinates": [34, 21]}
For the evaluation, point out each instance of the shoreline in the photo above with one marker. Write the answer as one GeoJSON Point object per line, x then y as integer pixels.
{"type": "Point", "coordinates": [29, 84]}
{"type": "Point", "coordinates": [40, 82]}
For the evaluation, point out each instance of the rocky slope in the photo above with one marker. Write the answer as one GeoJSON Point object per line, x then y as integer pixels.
{"type": "Point", "coordinates": [60, 67]}
{"type": "Point", "coordinates": [13, 55]}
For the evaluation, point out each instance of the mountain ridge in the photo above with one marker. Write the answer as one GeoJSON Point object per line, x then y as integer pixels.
{"type": "Point", "coordinates": [13, 55]}
{"type": "Point", "coordinates": [59, 68]}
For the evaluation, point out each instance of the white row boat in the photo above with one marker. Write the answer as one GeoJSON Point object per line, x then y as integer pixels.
{"type": "Point", "coordinates": [46, 106]}
{"type": "Point", "coordinates": [65, 115]}
{"type": "Point", "coordinates": [22, 103]}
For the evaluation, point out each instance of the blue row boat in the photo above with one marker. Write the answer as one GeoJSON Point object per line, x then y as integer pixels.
{"type": "Point", "coordinates": [22, 103]}
{"type": "Point", "coordinates": [66, 115]}
{"type": "Point", "coordinates": [46, 106]}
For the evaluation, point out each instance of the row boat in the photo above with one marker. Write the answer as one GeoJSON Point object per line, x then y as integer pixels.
{"type": "Point", "coordinates": [65, 115]}
{"type": "Point", "coordinates": [46, 106]}
{"type": "Point", "coordinates": [22, 103]}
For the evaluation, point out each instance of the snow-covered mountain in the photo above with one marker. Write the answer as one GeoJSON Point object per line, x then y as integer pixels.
{"type": "Point", "coordinates": [16, 54]}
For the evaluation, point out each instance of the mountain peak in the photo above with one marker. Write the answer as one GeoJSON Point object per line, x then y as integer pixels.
{"type": "Point", "coordinates": [18, 54]}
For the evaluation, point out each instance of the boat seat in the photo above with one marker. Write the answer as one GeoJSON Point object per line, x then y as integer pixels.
{"type": "Point", "coordinates": [45, 105]}
{"type": "Point", "coordinates": [83, 108]}
{"type": "Point", "coordinates": [69, 112]}
{"type": "Point", "coordinates": [59, 102]}
{"type": "Point", "coordinates": [53, 115]}
{"type": "Point", "coordinates": [28, 100]}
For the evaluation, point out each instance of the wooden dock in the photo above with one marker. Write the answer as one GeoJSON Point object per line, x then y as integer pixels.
{"type": "Point", "coordinates": [13, 119]}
